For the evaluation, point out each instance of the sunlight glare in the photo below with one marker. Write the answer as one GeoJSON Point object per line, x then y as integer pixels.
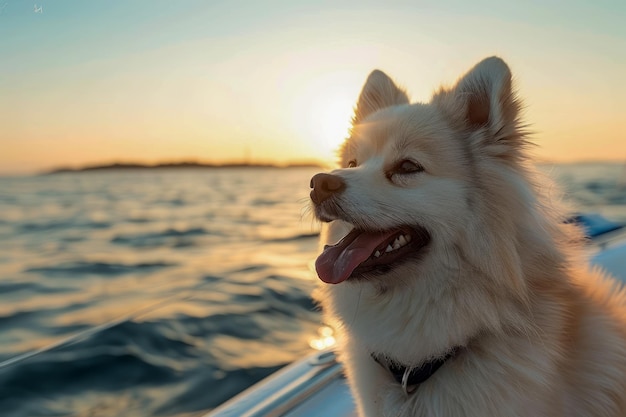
{"type": "Point", "coordinates": [332, 117]}
{"type": "Point", "coordinates": [325, 339]}
{"type": "Point", "coordinates": [323, 109]}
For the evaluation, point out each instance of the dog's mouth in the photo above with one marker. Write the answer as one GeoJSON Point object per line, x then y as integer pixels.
{"type": "Point", "coordinates": [363, 252]}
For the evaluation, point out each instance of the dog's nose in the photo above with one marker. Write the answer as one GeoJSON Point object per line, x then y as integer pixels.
{"type": "Point", "coordinates": [325, 186]}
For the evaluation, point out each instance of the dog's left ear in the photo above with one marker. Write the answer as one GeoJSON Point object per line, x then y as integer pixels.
{"type": "Point", "coordinates": [484, 100]}
{"type": "Point", "coordinates": [378, 92]}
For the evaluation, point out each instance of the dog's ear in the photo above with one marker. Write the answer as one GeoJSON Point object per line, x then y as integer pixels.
{"type": "Point", "coordinates": [484, 100]}
{"type": "Point", "coordinates": [378, 92]}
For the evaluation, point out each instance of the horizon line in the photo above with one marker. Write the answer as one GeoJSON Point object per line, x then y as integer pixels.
{"type": "Point", "coordinates": [233, 163]}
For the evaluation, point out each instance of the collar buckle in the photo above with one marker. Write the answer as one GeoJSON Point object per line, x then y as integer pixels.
{"type": "Point", "coordinates": [408, 389]}
{"type": "Point", "coordinates": [410, 377]}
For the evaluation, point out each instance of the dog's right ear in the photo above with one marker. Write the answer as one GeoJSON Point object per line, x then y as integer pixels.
{"type": "Point", "coordinates": [484, 103]}
{"type": "Point", "coordinates": [378, 92]}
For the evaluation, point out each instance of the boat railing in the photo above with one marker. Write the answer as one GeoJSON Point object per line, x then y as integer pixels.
{"type": "Point", "coordinates": [283, 390]}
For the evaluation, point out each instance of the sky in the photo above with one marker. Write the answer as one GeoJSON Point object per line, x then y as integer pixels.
{"type": "Point", "coordinates": [90, 81]}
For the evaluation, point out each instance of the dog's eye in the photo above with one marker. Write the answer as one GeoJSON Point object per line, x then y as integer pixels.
{"type": "Point", "coordinates": [407, 166]}
{"type": "Point", "coordinates": [352, 164]}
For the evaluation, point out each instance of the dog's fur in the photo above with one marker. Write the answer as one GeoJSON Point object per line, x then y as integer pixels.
{"type": "Point", "coordinates": [502, 276]}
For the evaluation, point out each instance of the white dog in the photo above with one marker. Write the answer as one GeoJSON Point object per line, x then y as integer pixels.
{"type": "Point", "coordinates": [452, 279]}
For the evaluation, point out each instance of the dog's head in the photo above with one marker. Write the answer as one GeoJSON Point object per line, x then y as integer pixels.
{"type": "Point", "coordinates": [425, 178]}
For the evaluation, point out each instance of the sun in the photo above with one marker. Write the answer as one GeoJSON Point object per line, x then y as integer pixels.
{"type": "Point", "coordinates": [332, 116]}
{"type": "Point", "coordinates": [322, 112]}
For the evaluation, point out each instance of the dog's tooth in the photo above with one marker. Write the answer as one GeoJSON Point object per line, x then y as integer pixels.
{"type": "Point", "coordinates": [377, 253]}
{"type": "Point", "coordinates": [408, 238]}
{"type": "Point", "coordinates": [401, 240]}
{"type": "Point", "coordinates": [389, 249]}
{"type": "Point", "coordinates": [396, 245]}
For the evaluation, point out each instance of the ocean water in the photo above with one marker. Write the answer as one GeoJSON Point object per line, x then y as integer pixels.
{"type": "Point", "coordinates": [166, 292]}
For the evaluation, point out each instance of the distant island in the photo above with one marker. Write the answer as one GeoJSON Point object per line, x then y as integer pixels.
{"type": "Point", "coordinates": [203, 165]}
{"type": "Point", "coordinates": [179, 165]}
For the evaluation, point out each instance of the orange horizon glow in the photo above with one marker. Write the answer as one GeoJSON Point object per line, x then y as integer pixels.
{"type": "Point", "coordinates": [276, 85]}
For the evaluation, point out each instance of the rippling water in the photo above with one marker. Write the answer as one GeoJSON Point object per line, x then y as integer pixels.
{"type": "Point", "coordinates": [198, 279]}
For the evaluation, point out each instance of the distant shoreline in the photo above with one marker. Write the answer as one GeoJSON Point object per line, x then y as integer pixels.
{"type": "Point", "coordinates": [132, 166]}
{"type": "Point", "coordinates": [177, 165]}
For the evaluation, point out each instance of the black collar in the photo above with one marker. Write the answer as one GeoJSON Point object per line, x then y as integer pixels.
{"type": "Point", "coordinates": [410, 377]}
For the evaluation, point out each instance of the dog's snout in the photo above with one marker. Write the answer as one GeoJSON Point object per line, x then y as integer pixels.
{"type": "Point", "coordinates": [325, 186]}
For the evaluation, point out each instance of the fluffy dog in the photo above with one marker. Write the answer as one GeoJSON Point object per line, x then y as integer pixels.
{"type": "Point", "coordinates": [456, 287]}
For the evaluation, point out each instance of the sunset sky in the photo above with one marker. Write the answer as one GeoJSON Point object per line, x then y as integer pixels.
{"type": "Point", "coordinates": [85, 82]}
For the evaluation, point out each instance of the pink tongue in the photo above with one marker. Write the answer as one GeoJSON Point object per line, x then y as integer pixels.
{"type": "Point", "coordinates": [337, 262]}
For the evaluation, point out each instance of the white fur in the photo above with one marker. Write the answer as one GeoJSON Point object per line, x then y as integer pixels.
{"type": "Point", "coordinates": [502, 275]}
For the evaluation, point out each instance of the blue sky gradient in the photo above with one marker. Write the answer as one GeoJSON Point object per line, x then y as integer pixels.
{"type": "Point", "coordinates": [97, 81]}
